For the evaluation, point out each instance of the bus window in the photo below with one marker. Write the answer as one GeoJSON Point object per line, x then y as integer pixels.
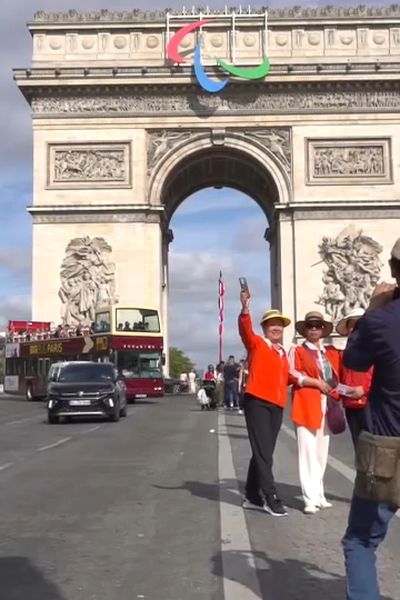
{"type": "Point", "coordinates": [137, 319]}
{"type": "Point", "coordinates": [102, 322]}
{"type": "Point", "coordinates": [128, 363]}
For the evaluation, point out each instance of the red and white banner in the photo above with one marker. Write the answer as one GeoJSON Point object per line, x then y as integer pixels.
{"type": "Point", "coordinates": [221, 308]}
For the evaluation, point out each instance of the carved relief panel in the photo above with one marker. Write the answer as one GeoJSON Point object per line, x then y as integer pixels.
{"type": "Point", "coordinates": [360, 162]}
{"type": "Point", "coordinates": [94, 165]}
{"type": "Point", "coordinates": [87, 280]}
{"type": "Point", "coordinates": [352, 271]}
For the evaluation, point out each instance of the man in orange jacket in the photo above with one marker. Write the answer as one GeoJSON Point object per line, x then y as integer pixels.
{"type": "Point", "coordinates": [263, 403]}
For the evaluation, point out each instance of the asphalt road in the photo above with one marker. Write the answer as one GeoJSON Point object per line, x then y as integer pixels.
{"type": "Point", "coordinates": [149, 508]}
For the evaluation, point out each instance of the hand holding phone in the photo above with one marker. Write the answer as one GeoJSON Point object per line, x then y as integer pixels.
{"type": "Point", "coordinates": [244, 292]}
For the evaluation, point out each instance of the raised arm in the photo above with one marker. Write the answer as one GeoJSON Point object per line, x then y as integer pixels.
{"type": "Point", "coordinates": [245, 325]}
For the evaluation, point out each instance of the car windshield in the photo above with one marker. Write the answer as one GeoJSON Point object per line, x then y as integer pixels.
{"type": "Point", "coordinates": [88, 372]}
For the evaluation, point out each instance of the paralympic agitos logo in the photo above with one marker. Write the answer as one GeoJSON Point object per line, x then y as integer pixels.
{"type": "Point", "coordinates": [208, 84]}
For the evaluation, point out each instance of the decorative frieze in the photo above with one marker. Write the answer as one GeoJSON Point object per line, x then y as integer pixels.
{"type": "Point", "coordinates": [353, 161]}
{"type": "Point", "coordinates": [352, 271]}
{"type": "Point", "coordinates": [105, 165]}
{"type": "Point", "coordinates": [242, 100]}
{"type": "Point", "coordinates": [162, 141]}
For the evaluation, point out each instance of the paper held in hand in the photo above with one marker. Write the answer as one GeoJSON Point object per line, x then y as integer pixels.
{"type": "Point", "coordinates": [344, 390]}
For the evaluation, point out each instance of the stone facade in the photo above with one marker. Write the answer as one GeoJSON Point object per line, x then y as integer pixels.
{"type": "Point", "coordinates": [122, 136]}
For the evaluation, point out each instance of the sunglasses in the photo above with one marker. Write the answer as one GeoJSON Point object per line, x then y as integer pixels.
{"type": "Point", "coordinates": [314, 325]}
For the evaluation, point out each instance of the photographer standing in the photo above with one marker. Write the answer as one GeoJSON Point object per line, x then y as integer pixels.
{"type": "Point", "coordinates": [263, 403]}
{"type": "Point", "coordinates": [375, 341]}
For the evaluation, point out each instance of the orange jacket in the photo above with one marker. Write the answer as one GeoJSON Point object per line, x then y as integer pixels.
{"type": "Point", "coordinates": [269, 375]}
{"type": "Point", "coordinates": [306, 405]}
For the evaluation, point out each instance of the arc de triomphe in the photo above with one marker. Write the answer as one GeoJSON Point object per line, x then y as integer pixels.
{"type": "Point", "coordinates": [122, 136]}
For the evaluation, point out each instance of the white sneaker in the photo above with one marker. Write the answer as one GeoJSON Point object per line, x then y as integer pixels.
{"type": "Point", "coordinates": [324, 503]}
{"type": "Point", "coordinates": [311, 509]}
{"type": "Point", "coordinates": [240, 412]}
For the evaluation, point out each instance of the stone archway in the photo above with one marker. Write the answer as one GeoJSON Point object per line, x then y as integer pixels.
{"type": "Point", "coordinates": [257, 164]}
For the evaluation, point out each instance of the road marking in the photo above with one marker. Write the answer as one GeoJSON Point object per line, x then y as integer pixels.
{"type": "Point", "coordinates": [89, 430]}
{"type": "Point", "coordinates": [238, 567]}
{"type": "Point", "coordinates": [22, 420]}
{"type": "Point", "coordinates": [6, 466]}
{"type": "Point", "coordinates": [43, 448]}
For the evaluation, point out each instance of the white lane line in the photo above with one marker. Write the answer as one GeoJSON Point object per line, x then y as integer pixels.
{"type": "Point", "coordinates": [6, 466]}
{"type": "Point", "coordinates": [62, 441]}
{"type": "Point", "coordinates": [89, 430]}
{"type": "Point", "coordinates": [335, 463]}
{"type": "Point", "coordinates": [22, 420]}
{"type": "Point", "coordinates": [238, 567]}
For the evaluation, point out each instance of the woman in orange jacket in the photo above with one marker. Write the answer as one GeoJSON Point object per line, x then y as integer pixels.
{"type": "Point", "coordinates": [360, 383]}
{"type": "Point", "coordinates": [263, 403]}
{"type": "Point", "coordinates": [316, 367]}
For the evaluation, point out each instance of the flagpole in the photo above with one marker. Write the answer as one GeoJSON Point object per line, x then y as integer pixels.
{"type": "Point", "coordinates": [221, 306]}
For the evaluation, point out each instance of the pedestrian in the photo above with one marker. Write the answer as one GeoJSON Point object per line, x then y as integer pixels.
{"type": "Point", "coordinates": [358, 384]}
{"type": "Point", "coordinates": [243, 376]}
{"type": "Point", "coordinates": [316, 368]}
{"type": "Point", "coordinates": [220, 383]}
{"type": "Point", "coordinates": [210, 374]}
{"type": "Point", "coordinates": [375, 341]}
{"type": "Point", "coordinates": [263, 403]}
{"type": "Point", "coordinates": [192, 382]}
{"type": "Point", "coordinates": [231, 377]}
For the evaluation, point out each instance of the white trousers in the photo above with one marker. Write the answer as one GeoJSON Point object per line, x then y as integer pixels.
{"type": "Point", "coordinates": [313, 447]}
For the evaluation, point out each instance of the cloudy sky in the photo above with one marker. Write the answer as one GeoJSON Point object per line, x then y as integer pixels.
{"type": "Point", "coordinates": [213, 229]}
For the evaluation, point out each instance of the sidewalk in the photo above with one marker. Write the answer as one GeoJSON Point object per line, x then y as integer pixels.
{"type": "Point", "coordinates": [300, 557]}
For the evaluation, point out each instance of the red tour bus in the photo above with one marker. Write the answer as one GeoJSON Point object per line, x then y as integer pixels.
{"type": "Point", "coordinates": [130, 337]}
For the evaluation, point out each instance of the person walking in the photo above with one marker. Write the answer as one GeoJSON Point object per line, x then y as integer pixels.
{"type": "Point", "coordinates": [220, 384]}
{"type": "Point", "coordinates": [231, 374]}
{"type": "Point", "coordinates": [354, 402]}
{"type": "Point", "coordinates": [316, 368]}
{"type": "Point", "coordinates": [243, 376]}
{"type": "Point", "coordinates": [375, 341]}
{"type": "Point", "coordinates": [263, 403]}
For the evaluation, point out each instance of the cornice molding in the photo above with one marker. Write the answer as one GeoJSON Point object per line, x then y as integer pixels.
{"type": "Point", "coordinates": [274, 14]}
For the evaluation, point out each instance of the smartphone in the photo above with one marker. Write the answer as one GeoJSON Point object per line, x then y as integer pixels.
{"type": "Point", "coordinates": [243, 284]}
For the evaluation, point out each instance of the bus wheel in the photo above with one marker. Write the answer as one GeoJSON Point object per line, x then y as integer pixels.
{"type": "Point", "coordinates": [29, 393]}
{"type": "Point", "coordinates": [52, 419]}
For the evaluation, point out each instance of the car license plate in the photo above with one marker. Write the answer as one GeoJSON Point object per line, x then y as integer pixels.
{"type": "Point", "coordinates": [140, 395]}
{"type": "Point", "coordinates": [79, 402]}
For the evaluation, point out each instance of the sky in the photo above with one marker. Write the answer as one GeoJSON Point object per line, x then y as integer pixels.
{"type": "Point", "coordinates": [213, 229]}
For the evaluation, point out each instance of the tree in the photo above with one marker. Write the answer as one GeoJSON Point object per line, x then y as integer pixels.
{"type": "Point", "coordinates": [178, 362]}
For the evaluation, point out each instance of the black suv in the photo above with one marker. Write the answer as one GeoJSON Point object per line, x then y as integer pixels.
{"type": "Point", "coordinates": [84, 389]}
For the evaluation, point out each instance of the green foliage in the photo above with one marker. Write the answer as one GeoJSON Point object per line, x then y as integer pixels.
{"type": "Point", "coordinates": [178, 362]}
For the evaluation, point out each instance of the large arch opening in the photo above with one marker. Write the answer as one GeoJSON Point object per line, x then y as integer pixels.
{"type": "Point", "coordinates": [240, 184]}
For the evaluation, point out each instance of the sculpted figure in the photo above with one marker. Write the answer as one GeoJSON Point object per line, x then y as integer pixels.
{"type": "Point", "coordinates": [87, 280]}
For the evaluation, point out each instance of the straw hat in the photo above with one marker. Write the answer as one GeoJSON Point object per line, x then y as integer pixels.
{"type": "Point", "coordinates": [314, 315]}
{"type": "Point", "coordinates": [341, 327]}
{"type": "Point", "coordinates": [274, 313]}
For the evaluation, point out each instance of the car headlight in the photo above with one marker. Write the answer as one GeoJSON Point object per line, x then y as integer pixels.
{"type": "Point", "coordinates": [111, 402]}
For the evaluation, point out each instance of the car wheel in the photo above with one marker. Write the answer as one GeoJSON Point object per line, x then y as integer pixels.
{"type": "Point", "coordinates": [116, 414]}
{"type": "Point", "coordinates": [52, 419]}
{"type": "Point", "coordinates": [29, 393]}
{"type": "Point", "coordinates": [124, 411]}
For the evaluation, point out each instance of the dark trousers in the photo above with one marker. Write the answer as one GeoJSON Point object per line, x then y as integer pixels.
{"type": "Point", "coordinates": [263, 420]}
{"type": "Point", "coordinates": [355, 419]}
{"type": "Point", "coordinates": [230, 393]}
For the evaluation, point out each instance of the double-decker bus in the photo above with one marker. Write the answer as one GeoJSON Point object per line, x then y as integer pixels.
{"type": "Point", "coordinates": [129, 337]}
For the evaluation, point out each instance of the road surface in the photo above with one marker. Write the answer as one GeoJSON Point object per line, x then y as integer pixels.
{"type": "Point", "coordinates": [149, 508]}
